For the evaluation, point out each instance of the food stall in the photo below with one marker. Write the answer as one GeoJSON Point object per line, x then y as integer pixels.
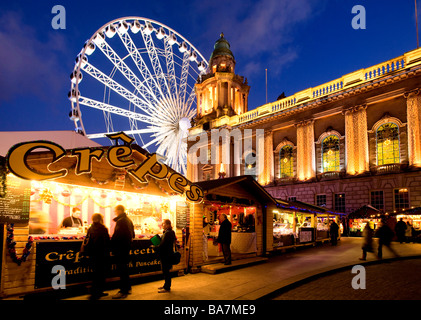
{"type": "Point", "coordinates": [245, 203]}
{"type": "Point", "coordinates": [44, 184]}
{"type": "Point", "coordinates": [296, 223]}
{"type": "Point", "coordinates": [413, 218]}
{"type": "Point", "coordinates": [360, 217]}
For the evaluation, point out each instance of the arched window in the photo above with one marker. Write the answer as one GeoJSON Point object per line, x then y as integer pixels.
{"type": "Point", "coordinates": [387, 142]}
{"type": "Point", "coordinates": [250, 165]}
{"type": "Point", "coordinates": [286, 160]}
{"type": "Point", "coordinates": [330, 154]}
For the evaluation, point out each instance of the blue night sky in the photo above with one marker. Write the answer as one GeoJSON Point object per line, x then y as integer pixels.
{"type": "Point", "coordinates": [302, 43]}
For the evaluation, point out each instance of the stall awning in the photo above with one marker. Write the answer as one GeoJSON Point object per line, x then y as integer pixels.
{"type": "Point", "coordinates": [413, 211]}
{"type": "Point", "coordinates": [247, 182]}
{"type": "Point", "coordinates": [305, 207]}
{"type": "Point", "coordinates": [366, 211]}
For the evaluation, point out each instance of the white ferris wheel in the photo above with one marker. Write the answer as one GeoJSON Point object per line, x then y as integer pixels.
{"type": "Point", "coordinates": [141, 81]}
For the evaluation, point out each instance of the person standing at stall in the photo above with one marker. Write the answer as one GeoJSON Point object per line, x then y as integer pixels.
{"type": "Point", "coordinates": [334, 233]}
{"type": "Point", "coordinates": [97, 246]}
{"type": "Point", "coordinates": [121, 242]}
{"type": "Point", "coordinates": [165, 251]}
{"type": "Point", "coordinates": [73, 221]}
{"type": "Point", "coordinates": [224, 238]}
{"type": "Point", "coordinates": [400, 229]}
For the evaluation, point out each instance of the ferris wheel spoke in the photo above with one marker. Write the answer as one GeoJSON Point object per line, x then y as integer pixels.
{"type": "Point", "coordinates": [184, 76]}
{"type": "Point", "coordinates": [113, 85]}
{"type": "Point", "coordinates": [150, 143]}
{"type": "Point", "coordinates": [125, 70]}
{"type": "Point", "coordinates": [116, 110]}
{"type": "Point", "coordinates": [169, 57]}
{"type": "Point", "coordinates": [131, 48]}
{"type": "Point", "coordinates": [154, 59]}
{"type": "Point", "coordinates": [128, 132]}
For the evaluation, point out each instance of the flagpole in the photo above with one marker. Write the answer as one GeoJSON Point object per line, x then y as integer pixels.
{"type": "Point", "coordinates": [266, 85]}
{"type": "Point", "coordinates": [416, 23]}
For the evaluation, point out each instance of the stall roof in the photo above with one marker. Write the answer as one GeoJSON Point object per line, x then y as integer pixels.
{"type": "Point", "coordinates": [413, 211]}
{"type": "Point", "coordinates": [246, 181]}
{"type": "Point", "coordinates": [306, 207]}
{"type": "Point", "coordinates": [363, 212]}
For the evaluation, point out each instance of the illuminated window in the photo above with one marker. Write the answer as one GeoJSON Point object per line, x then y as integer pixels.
{"type": "Point", "coordinates": [330, 154]}
{"type": "Point", "coordinates": [401, 199]}
{"type": "Point", "coordinates": [387, 139]}
{"type": "Point", "coordinates": [286, 162]}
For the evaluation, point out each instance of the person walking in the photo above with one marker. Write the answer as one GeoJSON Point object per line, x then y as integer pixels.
{"type": "Point", "coordinates": [334, 230]}
{"type": "Point", "coordinates": [97, 246]}
{"type": "Point", "coordinates": [121, 242]}
{"type": "Point", "coordinates": [368, 241]}
{"type": "Point", "coordinates": [165, 251]}
{"type": "Point", "coordinates": [224, 238]}
{"type": "Point", "coordinates": [400, 229]}
{"type": "Point", "coordinates": [385, 235]}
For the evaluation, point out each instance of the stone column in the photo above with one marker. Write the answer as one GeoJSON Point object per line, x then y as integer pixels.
{"type": "Point", "coordinates": [356, 140]}
{"type": "Point", "coordinates": [413, 104]}
{"type": "Point", "coordinates": [306, 161]}
{"type": "Point", "coordinates": [269, 168]}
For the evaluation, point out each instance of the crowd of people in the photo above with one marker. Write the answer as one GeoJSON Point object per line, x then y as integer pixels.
{"type": "Point", "coordinates": [403, 231]}
{"type": "Point", "coordinates": [98, 245]}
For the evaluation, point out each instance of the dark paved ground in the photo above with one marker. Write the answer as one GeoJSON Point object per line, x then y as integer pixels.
{"type": "Point", "coordinates": [390, 280]}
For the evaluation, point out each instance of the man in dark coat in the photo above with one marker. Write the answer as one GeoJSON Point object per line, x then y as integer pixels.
{"type": "Point", "coordinates": [165, 251]}
{"type": "Point", "coordinates": [385, 235]}
{"type": "Point", "coordinates": [97, 247]}
{"type": "Point", "coordinates": [224, 238]}
{"type": "Point", "coordinates": [400, 229]}
{"type": "Point", "coordinates": [121, 242]}
{"type": "Point", "coordinates": [334, 233]}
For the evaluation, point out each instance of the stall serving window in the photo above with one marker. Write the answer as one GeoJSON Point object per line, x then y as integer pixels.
{"type": "Point", "coordinates": [283, 232]}
{"type": "Point", "coordinates": [243, 221]}
{"type": "Point", "coordinates": [292, 228]}
{"type": "Point", "coordinates": [63, 211]}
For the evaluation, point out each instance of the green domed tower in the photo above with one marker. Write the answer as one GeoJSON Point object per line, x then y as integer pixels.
{"type": "Point", "coordinates": [221, 92]}
{"type": "Point", "coordinates": [222, 59]}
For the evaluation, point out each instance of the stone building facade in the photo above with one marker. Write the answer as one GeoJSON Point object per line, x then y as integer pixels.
{"type": "Point", "coordinates": [350, 142]}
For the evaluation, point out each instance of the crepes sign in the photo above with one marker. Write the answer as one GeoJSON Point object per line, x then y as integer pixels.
{"type": "Point", "coordinates": [118, 156]}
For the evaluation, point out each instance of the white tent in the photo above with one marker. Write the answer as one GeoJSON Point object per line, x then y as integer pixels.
{"type": "Point", "coordinates": [66, 139]}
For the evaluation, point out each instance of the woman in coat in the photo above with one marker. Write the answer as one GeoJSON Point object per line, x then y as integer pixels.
{"type": "Point", "coordinates": [97, 247]}
{"type": "Point", "coordinates": [165, 251]}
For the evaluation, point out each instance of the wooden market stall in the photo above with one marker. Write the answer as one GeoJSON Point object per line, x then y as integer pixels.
{"type": "Point", "coordinates": [297, 223]}
{"type": "Point", "coordinates": [31, 211]}
{"type": "Point", "coordinates": [412, 217]}
{"type": "Point", "coordinates": [246, 205]}
{"type": "Point", "coordinates": [360, 217]}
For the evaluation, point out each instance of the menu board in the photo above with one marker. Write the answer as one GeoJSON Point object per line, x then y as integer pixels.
{"type": "Point", "coordinates": [182, 214]}
{"type": "Point", "coordinates": [15, 206]}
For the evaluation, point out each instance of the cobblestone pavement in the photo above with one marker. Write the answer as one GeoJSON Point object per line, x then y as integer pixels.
{"type": "Point", "coordinates": [389, 280]}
